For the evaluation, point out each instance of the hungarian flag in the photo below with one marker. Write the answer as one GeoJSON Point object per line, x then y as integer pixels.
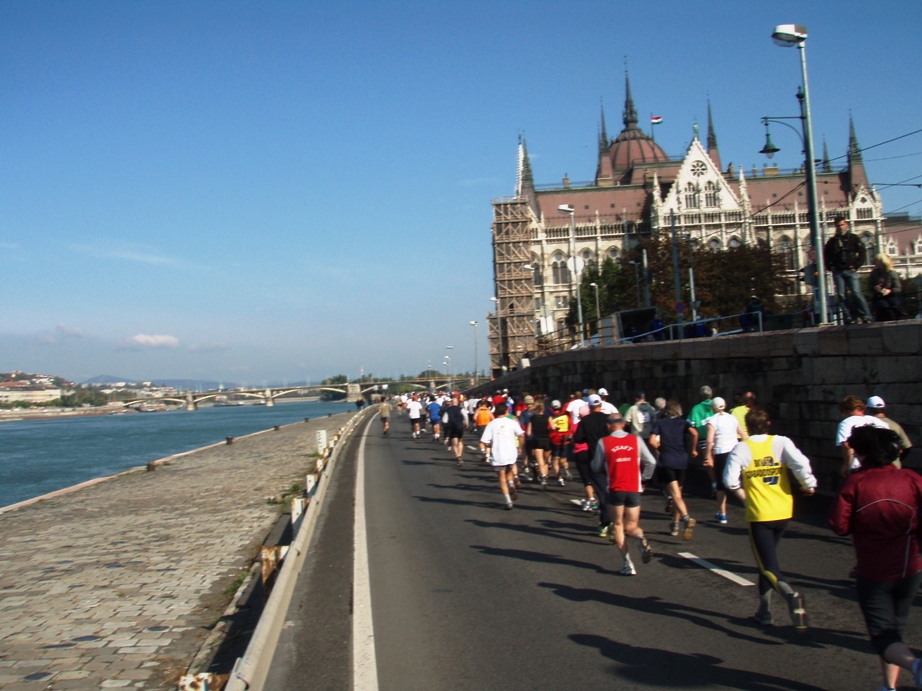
{"type": "Point", "coordinates": [656, 119]}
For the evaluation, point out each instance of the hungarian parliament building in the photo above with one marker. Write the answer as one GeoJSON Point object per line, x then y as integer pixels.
{"type": "Point", "coordinates": [637, 190]}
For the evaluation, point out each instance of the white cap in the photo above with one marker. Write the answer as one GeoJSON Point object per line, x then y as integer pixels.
{"type": "Point", "coordinates": [594, 400]}
{"type": "Point", "coordinates": [603, 392]}
{"type": "Point", "coordinates": [876, 402]}
{"type": "Point", "coordinates": [717, 403]}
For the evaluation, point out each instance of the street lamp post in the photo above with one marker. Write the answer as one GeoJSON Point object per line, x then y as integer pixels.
{"type": "Point", "coordinates": [676, 276]}
{"type": "Point", "coordinates": [598, 311]}
{"type": "Point", "coordinates": [569, 209]}
{"type": "Point", "coordinates": [636, 265]}
{"type": "Point", "coordinates": [787, 36]}
{"type": "Point", "coordinates": [476, 364]}
{"type": "Point", "coordinates": [449, 365]}
{"type": "Point", "coordinates": [646, 280]}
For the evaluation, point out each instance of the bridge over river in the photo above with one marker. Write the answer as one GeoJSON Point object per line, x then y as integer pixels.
{"type": "Point", "coordinates": [268, 395]}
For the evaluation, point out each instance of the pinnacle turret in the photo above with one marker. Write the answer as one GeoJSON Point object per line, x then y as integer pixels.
{"type": "Point", "coordinates": [854, 151]}
{"type": "Point", "coordinates": [712, 135]}
{"type": "Point", "coordinates": [603, 137]}
{"type": "Point", "coordinates": [630, 113]}
{"type": "Point", "coordinates": [827, 166]}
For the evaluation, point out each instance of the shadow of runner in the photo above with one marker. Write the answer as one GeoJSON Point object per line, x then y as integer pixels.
{"type": "Point", "coordinates": [541, 558]}
{"type": "Point", "coordinates": [662, 669]}
{"type": "Point", "coordinates": [530, 530]}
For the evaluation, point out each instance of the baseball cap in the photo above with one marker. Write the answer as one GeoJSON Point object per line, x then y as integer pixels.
{"type": "Point", "coordinates": [640, 394]}
{"type": "Point", "coordinates": [717, 403]}
{"type": "Point", "coordinates": [876, 402]}
{"type": "Point", "coordinates": [529, 399]}
{"type": "Point", "coordinates": [555, 404]}
{"type": "Point", "coordinates": [615, 417]}
{"type": "Point", "coordinates": [595, 399]}
{"type": "Point", "coordinates": [603, 392]}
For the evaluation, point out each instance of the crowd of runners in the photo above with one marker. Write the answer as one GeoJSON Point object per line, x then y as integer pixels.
{"type": "Point", "coordinates": [617, 451]}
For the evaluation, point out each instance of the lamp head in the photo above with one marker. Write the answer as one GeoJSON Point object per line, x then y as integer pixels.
{"type": "Point", "coordinates": [594, 285]}
{"type": "Point", "coordinates": [473, 323]}
{"type": "Point", "coordinates": [566, 208]}
{"type": "Point", "coordinates": [789, 35]}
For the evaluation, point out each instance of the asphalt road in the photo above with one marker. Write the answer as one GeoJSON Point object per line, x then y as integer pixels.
{"type": "Point", "coordinates": [466, 595]}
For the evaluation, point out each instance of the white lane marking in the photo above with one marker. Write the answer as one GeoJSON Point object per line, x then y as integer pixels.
{"type": "Point", "coordinates": [739, 580]}
{"type": "Point", "coordinates": [364, 663]}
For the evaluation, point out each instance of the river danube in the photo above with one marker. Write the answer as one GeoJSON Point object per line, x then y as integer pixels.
{"type": "Point", "coordinates": [40, 456]}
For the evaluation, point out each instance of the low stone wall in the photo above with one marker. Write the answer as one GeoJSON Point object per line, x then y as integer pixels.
{"type": "Point", "coordinates": [799, 376]}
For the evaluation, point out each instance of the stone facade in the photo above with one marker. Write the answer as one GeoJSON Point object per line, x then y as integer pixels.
{"type": "Point", "coordinates": [638, 189]}
{"type": "Point", "coordinates": [799, 376]}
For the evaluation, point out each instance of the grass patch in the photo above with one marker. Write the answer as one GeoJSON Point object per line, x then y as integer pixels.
{"type": "Point", "coordinates": [236, 583]}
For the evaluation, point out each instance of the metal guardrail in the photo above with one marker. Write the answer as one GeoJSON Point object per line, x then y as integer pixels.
{"type": "Point", "coordinates": [251, 670]}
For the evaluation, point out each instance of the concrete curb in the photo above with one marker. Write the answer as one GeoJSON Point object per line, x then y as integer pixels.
{"type": "Point", "coordinates": [251, 670]}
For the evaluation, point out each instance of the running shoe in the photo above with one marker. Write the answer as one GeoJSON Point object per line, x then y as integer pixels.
{"type": "Point", "coordinates": [763, 617]}
{"type": "Point", "coordinates": [628, 570]}
{"type": "Point", "coordinates": [508, 507]}
{"type": "Point", "coordinates": [720, 518]}
{"type": "Point", "coordinates": [688, 531]}
{"type": "Point", "coordinates": [674, 529]}
{"type": "Point", "coordinates": [561, 482]}
{"type": "Point", "coordinates": [544, 482]}
{"type": "Point", "coordinates": [646, 554]}
{"type": "Point", "coordinates": [567, 474]}
{"type": "Point", "coordinates": [669, 505]}
{"type": "Point", "coordinates": [917, 673]}
{"type": "Point", "coordinates": [593, 504]}
{"type": "Point", "coordinates": [604, 530]}
{"type": "Point", "coordinates": [513, 494]}
{"type": "Point", "coordinates": [713, 490]}
{"type": "Point", "coordinates": [460, 463]}
{"type": "Point", "coordinates": [585, 505]}
{"type": "Point", "coordinates": [516, 482]}
{"type": "Point", "coordinates": [798, 614]}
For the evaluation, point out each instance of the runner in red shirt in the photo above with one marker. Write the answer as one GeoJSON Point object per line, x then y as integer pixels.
{"type": "Point", "coordinates": [628, 462]}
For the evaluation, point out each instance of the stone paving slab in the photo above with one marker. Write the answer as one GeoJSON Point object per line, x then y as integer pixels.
{"type": "Point", "coordinates": [117, 585]}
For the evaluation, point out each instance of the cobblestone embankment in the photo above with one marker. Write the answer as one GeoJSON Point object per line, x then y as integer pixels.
{"type": "Point", "coordinates": [118, 584]}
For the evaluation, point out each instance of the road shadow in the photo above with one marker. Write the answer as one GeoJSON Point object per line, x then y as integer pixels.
{"type": "Point", "coordinates": [532, 530]}
{"type": "Point", "coordinates": [541, 558]}
{"type": "Point", "coordinates": [658, 606]}
{"type": "Point", "coordinates": [662, 669]}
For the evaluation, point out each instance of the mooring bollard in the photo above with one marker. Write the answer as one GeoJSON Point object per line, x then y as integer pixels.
{"type": "Point", "coordinates": [307, 419]}
{"type": "Point", "coordinates": [151, 466]}
{"type": "Point", "coordinates": [230, 440]}
{"type": "Point", "coordinates": [277, 428]}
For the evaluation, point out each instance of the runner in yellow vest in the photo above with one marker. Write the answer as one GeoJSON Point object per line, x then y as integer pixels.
{"type": "Point", "coordinates": [756, 473]}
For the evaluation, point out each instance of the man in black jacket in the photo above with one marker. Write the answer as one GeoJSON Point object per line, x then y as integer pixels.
{"type": "Point", "coordinates": [591, 429]}
{"type": "Point", "coordinates": [844, 254]}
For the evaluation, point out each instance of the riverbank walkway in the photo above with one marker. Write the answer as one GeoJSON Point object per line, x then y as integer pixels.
{"type": "Point", "coordinates": [117, 585]}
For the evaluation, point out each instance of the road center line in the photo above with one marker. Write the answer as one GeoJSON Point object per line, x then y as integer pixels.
{"type": "Point", "coordinates": [364, 663]}
{"type": "Point", "coordinates": [739, 580]}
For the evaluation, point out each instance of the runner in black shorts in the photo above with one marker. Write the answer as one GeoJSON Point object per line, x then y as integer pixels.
{"type": "Point", "coordinates": [675, 439]}
{"type": "Point", "coordinates": [455, 426]}
{"type": "Point", "coordinates": [540, 440]}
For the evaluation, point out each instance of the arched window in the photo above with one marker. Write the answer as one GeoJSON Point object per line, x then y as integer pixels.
{"type": "Point", "coordinates": [711, 194]}
{"type": "Point", "coordinates": [559, 269]}
{"type": "Point", "coordinates": [734, 242]}
{"type": "Point", "coordinates": [615, 253]}
{"type": "Point", "coordinates": [868, 241]}
{"type": "Point", "coordinates": [537, 275]}
{"type": "Point", "coordinates": [692, 200]}
{"type": "Point", "coordinates": [714, 245]}
{"type": "Point", "coordinates": [588, 258]}
{"type": "Point", "coordinates": [917, 246]}
{"type": "Point", "coordinates": [786, 250]}
{"type": "Point", "coordinates": [892, 248]}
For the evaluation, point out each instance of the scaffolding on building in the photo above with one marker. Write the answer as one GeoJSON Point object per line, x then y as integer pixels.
{"type": "Point", "coordinates": [511, 328]}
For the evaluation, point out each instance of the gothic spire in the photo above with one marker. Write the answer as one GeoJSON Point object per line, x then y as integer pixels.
{"type": "Point", "coordinates": [630, 113]}
{"type": "Point", "coordinates": [854, 152]}
{"type": "Point", "coordinates": [712, 136]}
{"type": "Point", "coordinates": [827, 167]}
{"type": "Point", "coordinates": [603, 138]}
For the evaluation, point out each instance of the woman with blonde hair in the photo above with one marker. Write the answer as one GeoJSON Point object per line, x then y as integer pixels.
{"type": "Point", "coordinates": [885, 284]}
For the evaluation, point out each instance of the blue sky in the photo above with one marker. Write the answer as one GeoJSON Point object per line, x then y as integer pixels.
{"type": "Point", "coordinates": [267, 191]}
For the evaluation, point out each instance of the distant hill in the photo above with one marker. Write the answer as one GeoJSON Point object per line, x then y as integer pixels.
{"type": "Point", "coordinates": [204, 384]}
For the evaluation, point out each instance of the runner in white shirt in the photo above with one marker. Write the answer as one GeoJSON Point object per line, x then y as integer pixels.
{"type": "Point", "coordinates": [574, 406]}
{"type": "Point", "coordinates": [852, 408]}
{"type": "Point", "coordinates": [499, 438]}
{"type": "Point", "coordinates": [414, 410]}
{"type": "Point", "coordinates": [723, 432]}
{"type": "Point", "coordinates": [607, 408]}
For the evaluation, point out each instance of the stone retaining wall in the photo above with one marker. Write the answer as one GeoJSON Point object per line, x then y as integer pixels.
{"type": "Point", "coordinates": [799, 376]}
